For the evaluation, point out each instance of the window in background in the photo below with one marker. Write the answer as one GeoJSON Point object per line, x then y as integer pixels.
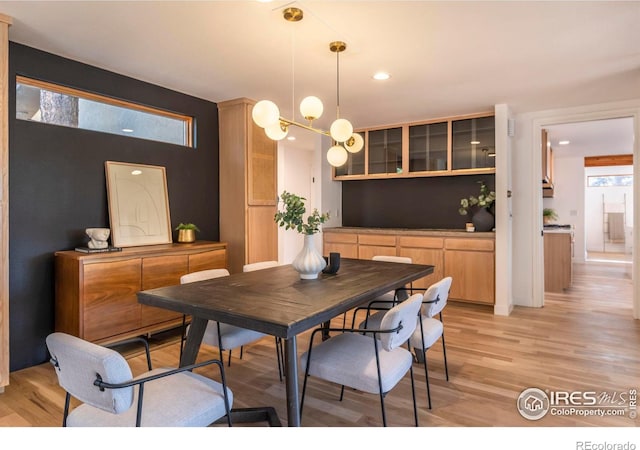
{"type": "Point", "coordinates": [609, 180]}
{"type": "Point", "coordinates": [44, 102]}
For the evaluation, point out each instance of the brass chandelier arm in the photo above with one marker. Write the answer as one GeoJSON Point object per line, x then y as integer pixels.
{"type": "Point", "coordinates": [288, 122]}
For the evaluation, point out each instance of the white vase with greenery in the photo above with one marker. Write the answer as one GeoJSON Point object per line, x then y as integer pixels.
{"type": "Point", "coordinates": [309, 262]}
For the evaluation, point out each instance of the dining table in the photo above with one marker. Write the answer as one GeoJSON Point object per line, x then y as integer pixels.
{"type": "Point", "coordinates": [276, 301]}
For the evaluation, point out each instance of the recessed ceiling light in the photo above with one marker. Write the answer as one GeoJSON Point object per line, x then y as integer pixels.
{"type": "Point", "coordinates": [136, 172]}
{"type": "Point", "coordinates": [475, 142]}
{"type": "Point", "coordinates": [564, 142]}
{"type": "Point", "coordinates": [381, 76]}
{"type": "Point", "coordinates": [291, 138]}
{"type": "Point", "coordinates": [127, 130]}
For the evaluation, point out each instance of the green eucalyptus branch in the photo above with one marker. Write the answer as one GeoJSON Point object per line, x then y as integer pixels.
{"type": "Point", "coordinates": [484, 200]}
{"type": "Point", "coordinates": [292, 217]}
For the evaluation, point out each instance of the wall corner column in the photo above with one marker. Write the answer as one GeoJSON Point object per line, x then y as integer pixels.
{"type": "Point", "coordinates": [5, 23]}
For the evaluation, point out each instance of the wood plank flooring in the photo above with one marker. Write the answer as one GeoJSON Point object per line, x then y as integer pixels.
{"type": "Point", "coordinates": [582, 340]}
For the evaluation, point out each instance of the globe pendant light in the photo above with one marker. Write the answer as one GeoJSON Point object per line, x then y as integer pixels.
{"type": "Point", "coordinates": [266, 114]}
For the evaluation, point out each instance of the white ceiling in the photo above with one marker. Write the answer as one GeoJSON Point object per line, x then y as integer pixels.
{"type": "Point", "coordinates": [445, 58]}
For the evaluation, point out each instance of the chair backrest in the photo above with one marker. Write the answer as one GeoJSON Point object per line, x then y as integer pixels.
{"type": "Point", "coordinates": [396, 259]}
{"type": "Point", "coordinates": [203, 275]}
{"type": "Point", "coordinates": [405, 313]}
{"type": "Point", "coordinates": [259, 265]}
{"type": "Point", "coordinates": [78, 363]}
{"type": "Point", "coordinates": [439, 290]}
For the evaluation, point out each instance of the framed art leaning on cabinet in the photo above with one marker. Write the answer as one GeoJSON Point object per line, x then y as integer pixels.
{"type": "Point", "coordinates": [138, 204]}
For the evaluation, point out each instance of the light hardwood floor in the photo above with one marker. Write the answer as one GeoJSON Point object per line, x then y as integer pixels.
{"type": "Point", "coordinates": [582, 340]}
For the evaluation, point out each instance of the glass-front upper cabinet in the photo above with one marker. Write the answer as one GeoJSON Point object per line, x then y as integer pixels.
{"type": "Point", "coordinates": [428, 147]}
{"type": "Point", "coordinates": [473, 143]}
{"type": "Point", "coordinates": [385, 151]}
{"type": "Point", "coordinates": [353, 166]}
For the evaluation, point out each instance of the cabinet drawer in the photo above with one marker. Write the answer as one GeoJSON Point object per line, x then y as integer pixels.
{"type": "Point", "coordinates": [485, 245]}
{"type": "Point", "coordinates": [110, 302]}
{"type": "Point", "coordinates": [158, 272]}
{"type": "Point", "coordinates": [215, 259]}
{"type": "Point", "coordinates": [377, 239]}
{"type": "Point", "coordinates": [369, 251]}
{"type": "Point", "coordinates": [420, 242]}
{"type": "Point", "coordinates": [343, 238]}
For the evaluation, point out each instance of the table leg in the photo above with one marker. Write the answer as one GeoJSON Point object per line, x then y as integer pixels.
{"type": "Point", "coordinates": [291, 365]}
{"type": "Point", "coordinates": [194, 339]}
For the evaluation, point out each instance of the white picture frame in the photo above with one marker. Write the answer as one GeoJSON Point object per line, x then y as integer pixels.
{"type": "Point", "coordinates": [138, 204]}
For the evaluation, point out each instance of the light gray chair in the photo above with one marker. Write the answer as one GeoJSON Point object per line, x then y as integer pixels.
{"type": "Point", "coordinates": [111, 396]}
{"type": "Point", "coordinates": [429, 329]}
{"type": "Point", "coordinates": [390, 296]}
{"type": "Point", "coordinates": [259, 265]}
{"type": "Point", "coordinates": [251, 267]}
{"type": "Point", "coordinates": [222, 335]}
{"type": "Point", "coordinates": [388, 299]}
{"type": "Point", "coordinates": [373, 362]}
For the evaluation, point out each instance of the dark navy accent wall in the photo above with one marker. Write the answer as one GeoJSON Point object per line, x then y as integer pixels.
{"type": "Point", "coordinates": [57, 184]}
{"type": "Point", "coordinates": [429, 202]}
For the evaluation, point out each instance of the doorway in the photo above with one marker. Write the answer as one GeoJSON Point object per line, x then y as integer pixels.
{"type": "Point", "coordinates": [593, 187]}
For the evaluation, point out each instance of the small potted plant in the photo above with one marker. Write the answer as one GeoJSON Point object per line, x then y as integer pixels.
{"type": "Point", "coordinates": [309, 262]}
{"type": "Point", "coordinates": [187, 232]}
{"type": "Point", "coordinates": [549, 215]}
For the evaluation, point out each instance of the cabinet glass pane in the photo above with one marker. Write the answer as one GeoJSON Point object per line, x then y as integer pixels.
{"type": "Point", "coordinates": [473, 143]}
{"type": "Point", "coordinates": [428, 147]}
{"type": "Point", "coordinates": [385, 151]}
{"type": "Point", "coordinates": [353, 166]}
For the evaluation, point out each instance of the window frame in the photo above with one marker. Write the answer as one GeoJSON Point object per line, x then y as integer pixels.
{"type": "Point", "coordinates": [85, 95]}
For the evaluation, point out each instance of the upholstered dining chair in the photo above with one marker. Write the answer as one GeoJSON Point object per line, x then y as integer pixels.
{"type": "Point", "coordinates": [222, 335]}
{"type": "Point", "coordinates": [251, 267]}
{"type": "Point", "coordinates": [372, 362]}
{"type": "Point", "coordinates": [111, 396]}
{"type": "Point", "coordinates": [388, 299]}
{"type": "Point", "coordinates": [390, 296]}
{"type": "Point", "coordinates": [429, 329]}
{"type": "Point", "coordinates": [259, 265]}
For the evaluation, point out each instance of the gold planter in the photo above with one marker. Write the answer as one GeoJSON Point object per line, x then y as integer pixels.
{"type": "Point", "coordinates": [185, 236]}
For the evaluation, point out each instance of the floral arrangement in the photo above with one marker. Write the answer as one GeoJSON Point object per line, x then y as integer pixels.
{"type": "Point", "coordinates": [292, 217]}
{"type": "Point", "coordinates": [484, 200]}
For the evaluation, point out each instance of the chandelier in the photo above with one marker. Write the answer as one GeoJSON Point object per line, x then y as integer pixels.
{"type": "Point", "coordinates": [266, 113]}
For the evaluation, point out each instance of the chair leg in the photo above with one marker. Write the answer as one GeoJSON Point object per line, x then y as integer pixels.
{"type": "Point", "coordinates": [444, 352]}
{"type": "Point", "coordinates": [342, 392]}
{"type": "Point", "coordinates": [183, 336]}
{"type": "Point", "coordinates": [426, 377]}
{"type": "Point", "coordinates": [229, 362]}
{"type": "Point", "coordinates": [413, 395]}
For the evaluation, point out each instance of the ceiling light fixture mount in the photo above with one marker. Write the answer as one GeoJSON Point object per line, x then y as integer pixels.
{"type": "Point", "coordinates": [266, 113]}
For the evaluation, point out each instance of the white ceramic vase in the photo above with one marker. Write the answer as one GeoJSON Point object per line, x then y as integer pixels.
{"type": "Point", "coordinates": [309, 262]}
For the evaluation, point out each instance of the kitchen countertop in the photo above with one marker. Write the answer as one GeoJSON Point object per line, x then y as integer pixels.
{"type": "Point", "coordinates": [413, 232]}
{"type": "Point", "coordinates": [555, 228]}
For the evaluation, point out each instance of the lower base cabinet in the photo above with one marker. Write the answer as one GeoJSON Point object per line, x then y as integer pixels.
{"type": "Point", "coordinates": [96, 292]}
{"type": "Point", "coordinates": [469, 260]}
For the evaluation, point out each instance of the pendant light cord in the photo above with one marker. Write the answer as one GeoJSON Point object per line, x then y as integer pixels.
{"type": "Point", "coordinates": [337, 85]}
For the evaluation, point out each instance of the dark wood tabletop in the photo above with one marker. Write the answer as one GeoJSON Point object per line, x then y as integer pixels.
{"type": "Point", "coordinates": [277, 302]}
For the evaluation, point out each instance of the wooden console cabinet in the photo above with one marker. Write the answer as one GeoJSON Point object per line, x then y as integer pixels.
{"type": "Point", "coordinates": [96, 292]}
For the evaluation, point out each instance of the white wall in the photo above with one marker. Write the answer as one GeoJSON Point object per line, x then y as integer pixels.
{"type": "Point", "coordinates": [568, 199]}
{"type": "Point", "coordinates": [298, 172]}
